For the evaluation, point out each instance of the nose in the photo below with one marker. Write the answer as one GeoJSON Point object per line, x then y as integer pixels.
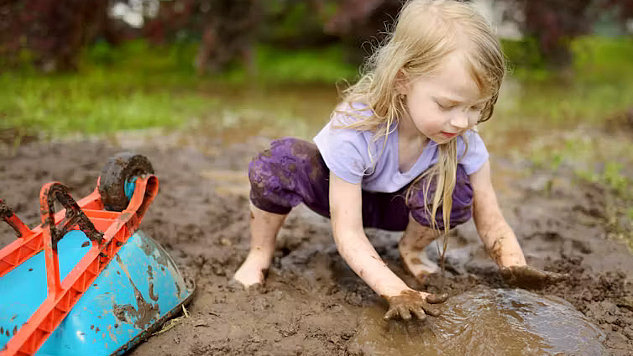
{"type": "Point", "coordinates": [459, 120]}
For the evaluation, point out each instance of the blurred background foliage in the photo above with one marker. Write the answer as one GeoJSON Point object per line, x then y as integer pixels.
{"type": "Point", "coordinates": [102, 66]}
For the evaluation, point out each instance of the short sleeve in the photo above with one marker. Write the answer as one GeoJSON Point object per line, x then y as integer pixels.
{"type": "Point", "coordinates": [344, 152]}
{"type": "Point", "coordinates": [476, 153]}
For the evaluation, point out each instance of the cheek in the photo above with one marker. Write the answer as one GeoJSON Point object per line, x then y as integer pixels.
{"type": "Point", "coordinates": [473, 119]}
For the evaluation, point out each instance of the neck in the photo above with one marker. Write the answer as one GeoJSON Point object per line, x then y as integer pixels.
{"type": "Point", "coordinates": [408, 132]}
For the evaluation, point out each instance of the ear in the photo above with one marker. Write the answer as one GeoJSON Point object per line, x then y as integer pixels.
{"type": "Point", "coordinates": [402, 83]}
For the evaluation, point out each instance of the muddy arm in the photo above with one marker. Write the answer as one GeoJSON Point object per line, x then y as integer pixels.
{"type": "Point", "coordinates": [498, 238]}
{"type": "Point", "coordinates": [353, 244]}
{"type": "Point", "coordinates": [360, 255]}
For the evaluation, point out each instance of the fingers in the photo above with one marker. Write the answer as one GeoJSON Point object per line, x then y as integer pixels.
{"type": "Point", "coordinates": [404, 312]}
{"type": "Point", "coordinates": [391, 314]}
{"type": "Point", "coordinates": [431, 310]}
{"type": "Point", "coordinates": [529, 277]}
{"type": "Point", "coordinates": [556, 277]}
{"type": "Point", "coordinates": [411, 303]}
{"type": "Point", "coordinates": [436, 298]}
{"type": "Point", "coordinates": [419, 313]}
{"type": "Point", "coordinates": [506, 273]}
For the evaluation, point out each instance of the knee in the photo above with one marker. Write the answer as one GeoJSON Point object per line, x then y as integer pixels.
{"type": "Point", "coordinates": [265, 171]}
{"type": "Point", "coordinates": [283, 165]}
{"type": "Point", "coordinates": [421, 201]}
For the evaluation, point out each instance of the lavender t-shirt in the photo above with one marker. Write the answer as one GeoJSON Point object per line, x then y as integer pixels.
{"type": "Point", "coordinates": [355, 157]}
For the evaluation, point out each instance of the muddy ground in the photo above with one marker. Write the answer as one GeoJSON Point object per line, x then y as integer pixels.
{"type": "Point", "coordinates": [311, 302]}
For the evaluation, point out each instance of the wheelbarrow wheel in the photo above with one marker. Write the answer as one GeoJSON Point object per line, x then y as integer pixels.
{"type": "Point", "coordinates": [119, 170]}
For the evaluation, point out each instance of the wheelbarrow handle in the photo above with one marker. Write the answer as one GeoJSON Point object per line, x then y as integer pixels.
{"type": "Point", "coordinates": [74, 215]}
{"type": "Point", "coordinates": [13, 220]}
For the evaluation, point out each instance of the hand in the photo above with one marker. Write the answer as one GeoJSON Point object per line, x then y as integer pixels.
{"type": "Point", "coordinates": [528, 277]}
{"type": "Point", "coordinates": [414, 302]}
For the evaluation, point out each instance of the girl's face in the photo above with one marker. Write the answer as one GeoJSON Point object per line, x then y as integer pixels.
{"type": "Point", "coordinates": [445, 104]}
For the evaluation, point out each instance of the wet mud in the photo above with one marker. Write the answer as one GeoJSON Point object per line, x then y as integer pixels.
{"type": "Point", "coordinates": [484, 321]}
{"type": "Point", "coordinates": [312, 303]}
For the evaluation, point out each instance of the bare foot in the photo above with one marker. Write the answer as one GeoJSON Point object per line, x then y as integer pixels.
{"type": "Point", "coordinates": [418, 264]}
{"type": "Point", "coordinates": [411, 246]}
{"type": "Point", "coordinates": [253, 271]}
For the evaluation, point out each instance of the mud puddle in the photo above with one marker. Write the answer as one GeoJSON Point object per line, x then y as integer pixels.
{"type": "Point", "coordinates": [313, 303]}
{"type": "Point", "coordinates": [484, 321]}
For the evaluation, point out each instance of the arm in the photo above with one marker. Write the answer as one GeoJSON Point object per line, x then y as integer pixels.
{"type": "Point", "coordinates": [497, 236]}
{"type": "Point", "coordinates": [360, 255]}
{"type": "Point", "coordinates": [499, 239]}
{"type": "Point", "coordinates": [352, 243]}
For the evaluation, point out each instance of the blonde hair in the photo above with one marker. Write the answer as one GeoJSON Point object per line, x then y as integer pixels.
{"type": "Point", "coordinates": [425, 33]}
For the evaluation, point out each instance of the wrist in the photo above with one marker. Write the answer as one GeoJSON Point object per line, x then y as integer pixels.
{"type": "Point", "coordinates": [393, 291]}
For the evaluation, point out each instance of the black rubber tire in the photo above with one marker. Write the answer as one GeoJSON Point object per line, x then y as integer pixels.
{"type": "Point", "coordinates": [115, 173]}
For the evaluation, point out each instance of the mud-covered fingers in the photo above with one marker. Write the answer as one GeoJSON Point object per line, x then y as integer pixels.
{"type": "Point", "coordinates": [398, 311]}
{"type": "Point", "coordinates": [419, 313]}
{"type": "Point", "coordinates": [391, 313]}
{"type": "Point", "coordinates": [554, 277]}
{"type": "Point", "coordinates": [529, 277]}
{"type": "Point", "coordinates": [404, 312]}
{"type": "Point", "coordinates": [431, 309]}
{"type": "Point", "coordinates": [506, 273]}
{"type": "Point", "coordinates": [411, 303]}
{"type": "Point", "coordinates": [436, 298]}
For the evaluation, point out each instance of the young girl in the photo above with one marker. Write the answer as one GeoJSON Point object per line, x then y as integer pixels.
{"type": "Point", "coordinates": [400, 153]}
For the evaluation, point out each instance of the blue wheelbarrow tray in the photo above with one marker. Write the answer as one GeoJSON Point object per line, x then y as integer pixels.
{"type": "Point", "coordinates": [133, 296]}
{"type": "Point", "coordinates": [114, 284]}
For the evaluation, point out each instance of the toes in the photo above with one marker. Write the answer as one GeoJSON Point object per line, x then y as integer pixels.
{"type": "Point", "coordinates": [237, 284]}
{"type": "Point", "coordinates": [255, 288]}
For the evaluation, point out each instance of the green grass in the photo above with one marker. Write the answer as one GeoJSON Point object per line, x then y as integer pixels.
{"type": "Point", "coordinates": [599, 84]}
{"type": "Point", "coordinates": [306, 66]}
{"type": "Point", "coordinates": [137, 92]}
{"type": "Point", "coordinates": [92, 104]}
{"type": "Point", "coordinates": [137, 86]}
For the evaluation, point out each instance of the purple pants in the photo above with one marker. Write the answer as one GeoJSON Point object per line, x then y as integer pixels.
{"type": "Point", "coordinates": [292, 172]}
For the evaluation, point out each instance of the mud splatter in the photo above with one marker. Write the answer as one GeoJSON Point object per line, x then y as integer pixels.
{"type": "Point", "coordinates": [150, 275]}
{"type": "Point", "coordinates": [144, 314]}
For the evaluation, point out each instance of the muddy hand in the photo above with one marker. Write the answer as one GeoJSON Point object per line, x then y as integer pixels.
{"type": "Point", "coordinates": [411, 302]}
{"type": "Point", "coordinates": [529, 277]}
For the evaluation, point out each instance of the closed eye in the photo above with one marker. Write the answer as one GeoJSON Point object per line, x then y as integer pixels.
{"type": "Point", "coordinates": [445, 106]}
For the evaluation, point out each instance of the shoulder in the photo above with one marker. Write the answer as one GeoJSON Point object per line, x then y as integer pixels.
{"type": "Point", "coordinates": [346, 126]}
{"type": "Point", "coordinates": [473, 140]}
{"type": "Point", "coordinates": [349, 114]}
{"type": "Point", "coordinates": [472, 151]}
{"type": "Point", "coordinates": [346, 149]}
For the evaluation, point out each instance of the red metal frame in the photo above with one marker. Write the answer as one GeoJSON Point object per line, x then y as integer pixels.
{"type": "Point", "coordinates": [116, 227]}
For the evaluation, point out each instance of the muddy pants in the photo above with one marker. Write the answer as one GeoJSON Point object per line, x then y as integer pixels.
{"type": "Point", "coordinates": [292, 172]}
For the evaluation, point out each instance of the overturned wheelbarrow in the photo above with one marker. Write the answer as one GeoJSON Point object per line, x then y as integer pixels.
{"type": "Point", "coordinates": [86, 282]}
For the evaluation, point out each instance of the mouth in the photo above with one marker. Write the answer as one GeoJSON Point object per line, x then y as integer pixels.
{"type": "Point", "coordinates": [448, 134]}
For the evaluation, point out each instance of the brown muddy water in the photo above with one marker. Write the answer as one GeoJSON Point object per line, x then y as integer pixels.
{"type": "Point", "coordinates": [485, 322]}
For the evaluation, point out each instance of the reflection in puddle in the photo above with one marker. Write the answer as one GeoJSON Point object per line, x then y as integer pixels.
{"type": "Point", "coordinates": [485, 322]}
